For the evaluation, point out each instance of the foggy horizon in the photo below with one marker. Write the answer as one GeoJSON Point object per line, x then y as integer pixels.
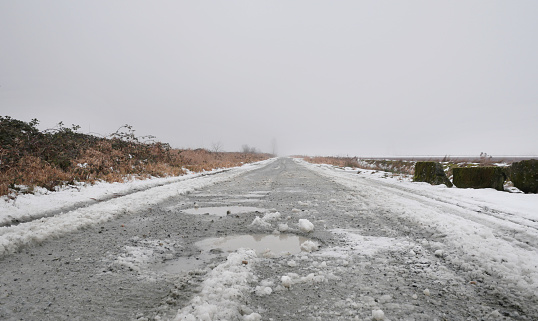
{"type": "Point", "coordinates": [320, 78]}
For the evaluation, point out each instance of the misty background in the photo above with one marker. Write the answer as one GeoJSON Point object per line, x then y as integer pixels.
{"type": "Point", "coordinates": [357, 78]}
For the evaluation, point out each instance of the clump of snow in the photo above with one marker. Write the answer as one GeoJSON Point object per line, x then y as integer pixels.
{"type": "Point", "coordinates": [426, 292]}
{"type": "Point", "coordinates": [378, 315]}
{"type": "Point", "coordinates": [263, 290]}
{"type": "Point", "coordinates": [269, 217]}
{"type": "Point", "coordinates": [252, 317]}
{"type": "Point", "coordinates": [265, 221]}
{"type": "Point", "coordinates": [286, 281]}
{"type": "Point", "coordinates": [283, 227]}
{"type": "Point", "coordinates": [260, 222]}
{"type": "Point", "coordinates": [223, 293]}
{"type": "Point", "coordinates": [309, 246]}
{"type": "Point", "coordinates": [292, 263]}
{"type": "Point", "coordinates": [296, 210]}
{"type": "Point", "coordinates": [495, 314]}
{"type": "Point", "coordinates": [305, 225]}
{"type": "Point", "coordinates": [311, 278]}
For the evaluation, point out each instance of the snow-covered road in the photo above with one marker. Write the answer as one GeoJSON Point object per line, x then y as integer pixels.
{"type": "Point", "coordinates": [326, 244]}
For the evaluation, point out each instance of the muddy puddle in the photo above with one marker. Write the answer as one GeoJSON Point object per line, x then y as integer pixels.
{"type": "Point", "coordinates": [267, 245]}
{"type": "Point", "coordinates": [182, 265]}
{"type": "Point", "coordinates": [223, 210]}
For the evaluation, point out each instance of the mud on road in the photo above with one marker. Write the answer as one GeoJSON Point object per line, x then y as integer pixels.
{"type": "Point", "coordinates": [370, 264]}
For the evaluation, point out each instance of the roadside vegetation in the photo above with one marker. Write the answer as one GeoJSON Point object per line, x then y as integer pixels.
{"type": "Point", "coordinates": [406, 166]}
{"type": "Point", "coordinates": [31, 158]}
{"type": "Point", "coordinates": [385, 165]}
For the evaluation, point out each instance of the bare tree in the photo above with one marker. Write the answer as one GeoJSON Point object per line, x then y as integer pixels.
{"type": "Point", "coordinates": [216, 147]}
{"type": "Point", "coordinates": [248, 150]}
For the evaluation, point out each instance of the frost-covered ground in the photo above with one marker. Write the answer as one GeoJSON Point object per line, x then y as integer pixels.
{"type": "Point", "coordinates": [343, 246]}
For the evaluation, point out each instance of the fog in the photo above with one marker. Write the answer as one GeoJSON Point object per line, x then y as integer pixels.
{"type": "Point", "coordinates": [366, 78]}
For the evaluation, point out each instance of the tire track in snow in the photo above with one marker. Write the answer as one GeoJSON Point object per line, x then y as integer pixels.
{"type": "Point", "coordinates": [96, 200]}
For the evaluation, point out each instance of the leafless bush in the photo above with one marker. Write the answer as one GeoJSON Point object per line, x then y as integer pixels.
{"type": "Point", "coordinates": [29, 157]}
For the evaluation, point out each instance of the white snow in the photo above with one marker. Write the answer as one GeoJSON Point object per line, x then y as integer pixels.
{"type": "Point", "coordinates": [223, 292]}
{"type": "Point", "coordinates": [283, 227]}
{"type": "Point", "coordinates": [378, 315]}
{"type": "Point", "coordinates": [286, 281]}
{"type": "Point", "coordinates": [309, 246]}
{"type": "Point", "coordinates": [263, 290]}
{"type": "Point", "coordinates": [305, 225]}
{"type": "Point", "coordinates": [265, 221]}
{"type": "Point", "coordinates": [260, 222]}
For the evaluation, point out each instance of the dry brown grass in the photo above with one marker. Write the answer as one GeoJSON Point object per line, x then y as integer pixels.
{"type": "Point", "coordinates": [51, 158]}
{"type": "Point", "coordinates": [32, 171]}
{"type": "Point", "coordinates": [393, 166]}
{"type": "Point", "coordinates": [110, 165]}
{"type": "Point", "coordinates": [333, 160]}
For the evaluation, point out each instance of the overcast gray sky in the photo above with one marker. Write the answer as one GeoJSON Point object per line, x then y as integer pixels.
{"type": "Point", "coordinates": [320, 77]}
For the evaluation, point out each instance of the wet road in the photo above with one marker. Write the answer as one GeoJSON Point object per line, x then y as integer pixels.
{"type": "Point", "coordinates": [148, 265]}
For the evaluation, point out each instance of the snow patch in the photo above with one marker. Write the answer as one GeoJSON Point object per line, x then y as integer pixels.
{"type": "Point", "coordinates": [305, 225]}
{"type": "Point", "coordinates": [309, 246]}
{"type": "Point", "coordinates": [223, 294]}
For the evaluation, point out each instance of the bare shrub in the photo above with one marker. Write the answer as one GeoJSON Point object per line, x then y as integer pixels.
{"type": "Point", "coordinates": [58, 156]}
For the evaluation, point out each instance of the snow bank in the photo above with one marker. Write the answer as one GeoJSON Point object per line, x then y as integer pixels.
{"type": "Point", "coordinates": [43, 202]}
{"type": "Point", "coordinates": [30, 206]}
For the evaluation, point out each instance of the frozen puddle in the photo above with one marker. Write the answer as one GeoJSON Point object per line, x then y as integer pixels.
{"type": "Point", "coordinates": [223, 210]}
{"type": "Point", "coordinates": [267, 245]}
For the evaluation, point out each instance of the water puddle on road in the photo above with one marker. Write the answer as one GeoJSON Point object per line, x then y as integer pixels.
{"type": "Point", "coordinates": [223, 210]}
{"type": "Point", "coordinates": [179, 265]}
{"type": "Point", "coordinates": [267, 245]}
